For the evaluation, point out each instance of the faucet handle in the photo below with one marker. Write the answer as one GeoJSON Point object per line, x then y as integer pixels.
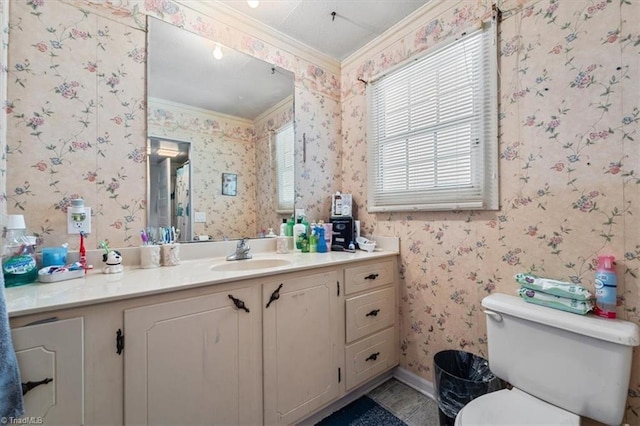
{"type": "Point", "coordinates": [242, 244]}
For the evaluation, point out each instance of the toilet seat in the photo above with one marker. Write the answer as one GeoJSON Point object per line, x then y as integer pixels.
{"type": "Point", "coordinates": [513, 407]}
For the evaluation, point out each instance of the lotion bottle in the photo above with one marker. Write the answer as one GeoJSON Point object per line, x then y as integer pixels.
{"type": "Point", "coordinates": [298, 231]}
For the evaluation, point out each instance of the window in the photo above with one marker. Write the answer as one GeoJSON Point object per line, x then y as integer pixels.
{"type": "Point", "coordinates": [284, 168]}
{"type": "Point", "coordinates": [432, 131]}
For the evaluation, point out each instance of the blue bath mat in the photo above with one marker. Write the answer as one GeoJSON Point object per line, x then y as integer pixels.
{"type": "Point", "coordinates": [364, 411]}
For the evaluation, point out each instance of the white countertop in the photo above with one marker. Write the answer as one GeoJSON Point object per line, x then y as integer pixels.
{"type": "Point", "coordinates": [96, 287]}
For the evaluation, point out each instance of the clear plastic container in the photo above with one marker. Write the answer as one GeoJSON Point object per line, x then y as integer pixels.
{"type": "Point", "coordinates": [19, 265]}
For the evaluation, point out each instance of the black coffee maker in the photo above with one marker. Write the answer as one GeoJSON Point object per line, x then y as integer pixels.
{"type": "Point", "coordinates": [344, 232]}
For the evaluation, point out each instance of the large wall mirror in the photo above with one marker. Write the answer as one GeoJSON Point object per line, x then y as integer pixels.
{"type": "Point", "coordinates": [227, 111]}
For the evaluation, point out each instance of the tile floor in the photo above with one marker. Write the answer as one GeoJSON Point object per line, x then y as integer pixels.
{"type": "Point", "coordinates": [406, 403]}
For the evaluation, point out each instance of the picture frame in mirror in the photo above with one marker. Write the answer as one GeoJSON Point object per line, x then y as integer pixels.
{"type": "Point", "coordinates": [229, 184]}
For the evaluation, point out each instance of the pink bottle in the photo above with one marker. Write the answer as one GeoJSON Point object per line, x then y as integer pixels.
{"type": "Point", "coordinates": [606, 282]}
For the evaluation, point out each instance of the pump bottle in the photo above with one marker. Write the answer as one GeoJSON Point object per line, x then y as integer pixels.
{"type": "Point", "coordinates": [298, 234]}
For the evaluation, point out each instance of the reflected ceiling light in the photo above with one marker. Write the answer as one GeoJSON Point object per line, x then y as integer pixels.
{"type": "Point", "coordinates": [217, 52]}
{"type": "Point", "coordinates": [253, 3]}
{"type": "Point", "coordinates": [168, 152]}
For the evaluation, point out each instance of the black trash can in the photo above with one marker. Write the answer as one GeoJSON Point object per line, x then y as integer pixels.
{"type": "Point", "coordinates": [459, 378]}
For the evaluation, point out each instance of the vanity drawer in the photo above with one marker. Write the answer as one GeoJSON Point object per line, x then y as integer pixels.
{"type": "Point", "coordinates": [369, 313]}
{"type": "Point", "coordinates": [370, 276]}
{"type": "Point", "coordinates": [370, 357]}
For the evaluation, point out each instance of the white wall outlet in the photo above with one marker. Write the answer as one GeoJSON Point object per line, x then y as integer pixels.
{"type": "Point", "coordinates": [200, 217]}
{"type": "Point", "coordinates": [78, 221]}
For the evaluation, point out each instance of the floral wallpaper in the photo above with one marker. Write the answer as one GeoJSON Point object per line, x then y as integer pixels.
{"type": "Point", "coordinates": [75, 121]}
{"type": "Point", "coordinates": [266, 198]}
{"type": "Point", "coordinates": [569, 155]}
{"type": "Point", "coordinates": [76, 112]}
{"type": "Point", "coordinates": [219, 144]}
{"type": "Point", "coordinates": [569, 76]}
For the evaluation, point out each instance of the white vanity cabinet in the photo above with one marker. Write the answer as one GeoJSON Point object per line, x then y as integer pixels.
{"type": "Point", "coordinates": [51, 361]}
{"type": "Point", "coordinates": [195, 361]}
{"type": "Point", "coordinates": [302, 345]}
{"type": "Point", "coordinates": [269, 350]}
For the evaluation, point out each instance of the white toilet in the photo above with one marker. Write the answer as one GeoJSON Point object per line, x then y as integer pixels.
{"type": "Point", "coordinates": [561, 366]}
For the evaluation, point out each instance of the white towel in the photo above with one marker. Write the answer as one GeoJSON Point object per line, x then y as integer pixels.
{"type": "Point", "coordinates": [11, 404]}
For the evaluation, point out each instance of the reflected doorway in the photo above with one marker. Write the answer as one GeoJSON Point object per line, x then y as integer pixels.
{"type": "Point", "coordinates": [169, 185]}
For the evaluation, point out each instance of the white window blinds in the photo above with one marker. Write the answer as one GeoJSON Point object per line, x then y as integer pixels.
{"type": "Point", "coordinates": [432, 131]}
{"type": "Point", "coordinates": [285, 168]}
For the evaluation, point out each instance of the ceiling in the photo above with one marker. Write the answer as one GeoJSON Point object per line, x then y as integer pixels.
{"type": "Point", "coordinates": [181, 67]}
{"type": "Point", "coordinates": [311, 22]}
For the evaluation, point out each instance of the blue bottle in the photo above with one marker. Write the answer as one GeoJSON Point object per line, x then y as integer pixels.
{"type": "Point", "coordinates": [322, 243]}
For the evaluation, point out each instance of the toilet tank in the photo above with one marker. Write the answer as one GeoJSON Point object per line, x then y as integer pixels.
{"type": "Point", "coordinates": [581, 363]}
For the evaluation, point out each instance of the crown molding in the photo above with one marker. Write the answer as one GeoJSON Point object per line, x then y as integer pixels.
{"type": "Point", "coordinates": [393, 34]}
{"type": "Point", "coordinates": [280, 105]}
{"type": "Point", "coordinates": [158, 102]}
{"type": "Point", "coordinates": [254, 28]}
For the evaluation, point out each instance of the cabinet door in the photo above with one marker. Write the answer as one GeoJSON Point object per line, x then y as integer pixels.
{"type": "Point", "coordinates": [51, 354]}
{"type": "Point", "coordinates": [194, 361]}
{"type": "Point", "coordinates": [301, 335]}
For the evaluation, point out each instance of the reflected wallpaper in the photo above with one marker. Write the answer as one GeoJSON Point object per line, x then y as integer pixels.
{"type": "Point", "coordinates": [220, 144]}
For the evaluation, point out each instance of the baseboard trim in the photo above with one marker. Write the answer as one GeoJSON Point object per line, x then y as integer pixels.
{"type": "Point", "coordinates": [418, 383]}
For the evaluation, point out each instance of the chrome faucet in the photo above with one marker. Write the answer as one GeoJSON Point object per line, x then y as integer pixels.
{"type": "Point", "coordinates": [242, 251]}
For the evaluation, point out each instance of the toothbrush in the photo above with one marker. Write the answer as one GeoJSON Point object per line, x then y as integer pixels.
{"type": "Point", "coordinates": [83, 252]}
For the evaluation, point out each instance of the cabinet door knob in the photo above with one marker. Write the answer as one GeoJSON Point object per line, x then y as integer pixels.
{"type": "Point", "coordinates": [239, 303]}
{"type": "Point", "coordinates": [373, 357]}
{"type": "Point", "coordinates": [274, 296]}
{"type": "Point", "coordinates": [371, 276]}
{"type": "Point", "coordinates": [26, 387]}
{"type": "Point", "coordinates": [373, 313]}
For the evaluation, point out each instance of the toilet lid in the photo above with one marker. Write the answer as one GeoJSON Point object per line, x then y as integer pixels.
{"type": "Point", "coordinates": [513, 407]}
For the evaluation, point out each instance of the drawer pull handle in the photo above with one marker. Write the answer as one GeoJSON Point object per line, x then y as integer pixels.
{"type": "Point", "coordinates": [119, 342]}
{"type": "Point", "coordinates": [373, 313]}
{"type": "Point", "coordinates": [274, 296]}
{"type": "Point", "coordinates": [371, 276]}
{"type": "Point", "coordinates": [26, 387]}
{"type": "Point", "coordinates": [239, 303]}
{"type": "Point", "coordinates": [373, 357]}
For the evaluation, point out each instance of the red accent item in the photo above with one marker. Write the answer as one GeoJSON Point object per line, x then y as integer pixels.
{"type": "Point", "coordinates": [604, 314]}
{"type": "Point", "coordinates": [83, 253]}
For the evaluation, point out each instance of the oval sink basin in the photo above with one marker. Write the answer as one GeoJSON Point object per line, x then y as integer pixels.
{"type": "Point", "coordinates": [250, 264]}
